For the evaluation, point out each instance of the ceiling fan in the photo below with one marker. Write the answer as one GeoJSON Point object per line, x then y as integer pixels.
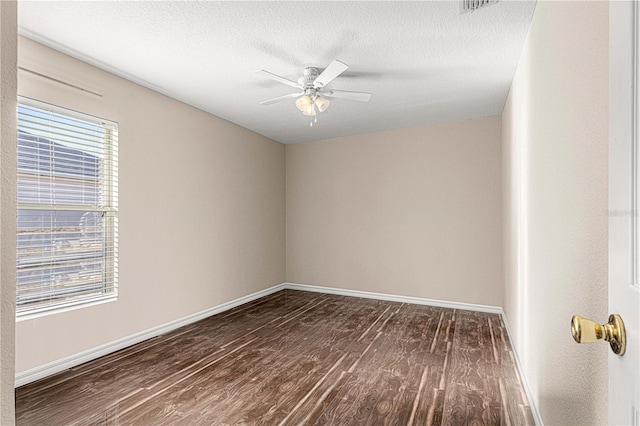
{"type": "Point", "coordinates": [313, 92]}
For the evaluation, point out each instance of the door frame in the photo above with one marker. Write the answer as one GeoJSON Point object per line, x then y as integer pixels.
{"type": "Point", "coordinates": [624, 191]}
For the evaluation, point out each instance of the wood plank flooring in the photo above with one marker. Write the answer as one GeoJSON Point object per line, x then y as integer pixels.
{"type": "Point", "coordinates": [298, 358]}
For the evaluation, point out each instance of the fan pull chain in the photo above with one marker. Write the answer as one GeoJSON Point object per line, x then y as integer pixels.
{"type": "Point", "coordinates": [314, 117]}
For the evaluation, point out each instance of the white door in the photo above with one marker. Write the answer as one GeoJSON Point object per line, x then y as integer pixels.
{"type": "Point", "coordinates": [624, 204]}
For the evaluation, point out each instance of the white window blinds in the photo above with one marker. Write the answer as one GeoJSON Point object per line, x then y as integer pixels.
{"type": "Point", "coordinates": [67, 242]}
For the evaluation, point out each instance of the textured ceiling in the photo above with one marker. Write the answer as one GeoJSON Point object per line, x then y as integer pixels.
{"type": "Point", "coordinates": [423, 62]}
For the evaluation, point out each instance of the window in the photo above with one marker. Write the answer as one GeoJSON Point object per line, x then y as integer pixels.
{"type": "Point", "coordinates": [67, 242]}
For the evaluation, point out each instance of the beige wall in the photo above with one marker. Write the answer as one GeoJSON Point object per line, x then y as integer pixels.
{"type": "Point", "coordinates": [8, 57]}
{"type": "Point", "coordinates": [555, 133]}
{"type": "Point", "coordinates": [413, 212]}
{"type": "Point", "coordinates": [201, 217]}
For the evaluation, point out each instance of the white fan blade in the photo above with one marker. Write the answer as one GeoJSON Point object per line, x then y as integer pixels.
{"type": "Point", "coordinates": [280, 79]}
{"type": "Point", "coordinates": [281, 98]}
{"type": "Point", "coordinates": [345, 94]}
{"type": "Point", "coordinates": [334, 69]}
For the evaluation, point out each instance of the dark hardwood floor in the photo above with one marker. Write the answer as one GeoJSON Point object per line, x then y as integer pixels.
{"type": "Point", "coordinates": [296, 358]}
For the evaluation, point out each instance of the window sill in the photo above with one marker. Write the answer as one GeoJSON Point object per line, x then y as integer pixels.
{"type": "Point", "coordinates": [46, 311]}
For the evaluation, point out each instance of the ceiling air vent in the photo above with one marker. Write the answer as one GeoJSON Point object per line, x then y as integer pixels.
{"type": "Point", "coordinates": [471, 5]}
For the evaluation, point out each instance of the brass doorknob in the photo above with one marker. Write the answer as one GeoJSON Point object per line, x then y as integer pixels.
{"type": "Point", "coordinates": [587, 331]}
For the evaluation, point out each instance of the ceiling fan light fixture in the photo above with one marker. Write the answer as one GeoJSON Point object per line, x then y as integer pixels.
{"type": "Point", "coordinates": [322, 104]}
{"type": "Point", "coordinates": [310, 111]}
{"type": "Point", "coordinates": [304, 103]}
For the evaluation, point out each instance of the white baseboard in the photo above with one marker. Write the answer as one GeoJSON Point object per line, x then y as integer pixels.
{"type": "Point", "coordinates": [396, 298]}
{"type": "Point", "coordinates": [74, 360]}
{"type": "Point", "coordinates": [62, 364]}
{"type": "Point", "coordinates": [523, 377]}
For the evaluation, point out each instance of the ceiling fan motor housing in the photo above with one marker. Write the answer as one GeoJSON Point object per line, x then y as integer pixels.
{"type": "Point", "coordinates": [309, 75]}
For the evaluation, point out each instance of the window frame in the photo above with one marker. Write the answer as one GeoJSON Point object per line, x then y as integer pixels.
{"type": "Point", "coordinates": [109, 181]}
